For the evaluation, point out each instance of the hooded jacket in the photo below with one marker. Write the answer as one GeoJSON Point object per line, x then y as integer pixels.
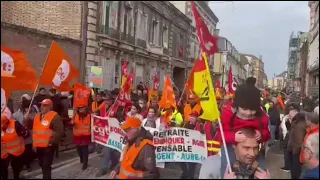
{"type": "Point", "coordinates": [258, 123]}
{"type": "Point", "coordinates": [146, 160]}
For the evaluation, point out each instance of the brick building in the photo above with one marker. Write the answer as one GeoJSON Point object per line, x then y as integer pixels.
{"type": "Point", "coordinates": [146, 33]}
{"type": "Point", "coordinates": [31, 27]}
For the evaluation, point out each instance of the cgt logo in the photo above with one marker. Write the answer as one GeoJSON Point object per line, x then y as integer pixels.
{"type": "Point", "coordinates": [102, 131]}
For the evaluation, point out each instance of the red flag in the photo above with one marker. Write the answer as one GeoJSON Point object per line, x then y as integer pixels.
{"type": "Point", "coordinates": [208, 42]}
{"type": "Point", "coordinates": [232, 84]}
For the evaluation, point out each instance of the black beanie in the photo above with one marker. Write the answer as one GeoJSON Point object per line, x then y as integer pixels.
{"type": "Point", "coordinates": [247, 97]}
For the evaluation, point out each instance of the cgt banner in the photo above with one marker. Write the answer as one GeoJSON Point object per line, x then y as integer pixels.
{"type": "Point", "coordinates": [107, 132]}
{"type": "Point", "coordinates": [172, 145]}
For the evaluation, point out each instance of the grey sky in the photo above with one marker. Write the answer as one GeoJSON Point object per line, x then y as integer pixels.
{"type": "Point", "coordinates": [262, 28]}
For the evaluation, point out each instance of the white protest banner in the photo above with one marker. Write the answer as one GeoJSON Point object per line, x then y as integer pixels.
{"type": "Point", "coordinates": [172, 145]}
{"type": "Point", "coordinates": [107, 132]}
{"type": "Point", "coordinates": [179, 145]}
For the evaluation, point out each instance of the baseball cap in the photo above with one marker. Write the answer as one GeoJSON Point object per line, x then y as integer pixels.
{"type": "Point", "coordinates": [131, 122]}
{"type": "Point", "coordinates": [46, 102]}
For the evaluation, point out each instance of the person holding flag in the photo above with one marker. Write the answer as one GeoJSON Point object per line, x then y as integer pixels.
{"type": "Point", "coordinates": [169, 114]}
{"type": "Point", "coordinates": [82, 123]}
{"type": "Point", "coordinates": [47, 133]}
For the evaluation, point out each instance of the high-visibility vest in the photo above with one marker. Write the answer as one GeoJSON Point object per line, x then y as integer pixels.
{"type": "Point", "coordinates": [94, 106]}
{"type": "Point", "coordinates": [310, 132]}
{"type": "Point", "coordinates": [129, 156]}
{"type": "Point", "coordinates": [213, 146]}
{"type": "Point", "coordinates": [188, 110]}
{"type": "Point", "coordinates": [11, 143]}
{"type": "Point", "coordinates": [41, 129]}
{"type": "Point", "coordinates": [82, 126]}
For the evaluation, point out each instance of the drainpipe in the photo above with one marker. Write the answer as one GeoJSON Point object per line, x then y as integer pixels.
{"type": "Point", "coordinates": [84, 28]}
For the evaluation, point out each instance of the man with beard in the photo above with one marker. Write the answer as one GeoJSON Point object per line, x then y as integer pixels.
{"type": "Point", "coordinates": [139, 159]}
{"type": "Point", "coordinates": [245, 166]}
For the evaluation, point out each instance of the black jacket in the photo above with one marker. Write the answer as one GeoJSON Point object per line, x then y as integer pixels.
{"type": "Point", "coordinates": [274, 116]}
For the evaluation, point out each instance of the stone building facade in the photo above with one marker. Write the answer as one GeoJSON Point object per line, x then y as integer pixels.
{"type": "Point", "coordinates": [211, 21]}
{"type": "Point", "coordinates": [148, 34]}
{"type": "Point", "coordinates": [227, 57]}
{"type": "Point", "coordinates": [313, 60]}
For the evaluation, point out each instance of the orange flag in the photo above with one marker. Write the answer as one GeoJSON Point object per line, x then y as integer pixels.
{"type": "Point", "coordinates": [281, 102]}
{"type": "Point", "coordinates": [5, 94]}
{"type": "Point", "coordinates": [167, 99]}
{"type": "Point", "coordinates": [58, 70]}
{"type": "Point", "coordinates": [81, 95]}
{"type": "Point", "coordinates": [15, 63]}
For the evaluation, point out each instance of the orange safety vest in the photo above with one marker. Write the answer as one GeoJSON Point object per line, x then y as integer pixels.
{"type": "Point", "coordinates": [82, 126]}
{"type": "Point", "coordinates": [213, 146]}
{"type": "Point", "coordinates": [94, 106]}
{"type": "Point", "coordinates": [310, 132]}
{"type": "Point", "coordinates": [129, 156]}
{"type": "Point", "coordinates": [188, 110]}
{"type": "Point", "coordinates": [41, 129]}
{"type": "Point", "coordinates": [11, 143]}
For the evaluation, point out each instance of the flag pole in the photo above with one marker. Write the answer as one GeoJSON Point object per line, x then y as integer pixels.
{"type": "Point", "coordinates": [35, 90]}
{"type": "Point", "coordinates": [220, 125]}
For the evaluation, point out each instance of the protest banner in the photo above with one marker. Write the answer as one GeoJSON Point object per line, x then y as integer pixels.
{"type": "Point", "coordinates": [95, 76]}
{"type": "Point", "coordinates": [172, 145]}
{"type": "Point", "coordinates": [179, 145]}
{"type": "Point", "coordinates": [107, 132]}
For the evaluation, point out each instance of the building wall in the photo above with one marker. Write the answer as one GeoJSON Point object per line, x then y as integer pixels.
{"type": "Point", "coordinates": [312, 76]}
{"type": "Point", "coordinates": [25, 27]}
{"type": "Point", "coordinates": [258, 71]}
{"type": "Point", "coordinates": [148, 34]}
{"type": "Point", "coordinates": [210, 19]}
{"type": "Point", "coordinates": [60, 18]}
{"type": "Point", "coordinates": [303, 67]}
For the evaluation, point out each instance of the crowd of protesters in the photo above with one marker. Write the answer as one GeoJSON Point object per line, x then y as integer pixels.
{"type": "Point", "coordinates": [249, 119]}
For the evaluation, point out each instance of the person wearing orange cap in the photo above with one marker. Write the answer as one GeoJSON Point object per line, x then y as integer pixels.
{"type": "Point", "coordinates": [191, 106]}
{"type": "Point", "coordinates": [47, 133]}
{"type": "Point", "coordinates": [139, 158]}
{"type": "Point", "coordinates": [82, 133]}
{"type": "Point", "coordinates": [12, 145]}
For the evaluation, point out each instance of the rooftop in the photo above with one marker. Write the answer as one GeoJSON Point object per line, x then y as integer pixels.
{"type": "Point", "coordinates": [283, 74]}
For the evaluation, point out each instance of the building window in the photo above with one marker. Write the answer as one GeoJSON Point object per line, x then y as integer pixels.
{"type": "Point", "coordinates": [105, 17]}
{"type": "Point", "coordinates": [142, 21]}
{"type": "Point", "coordinates": [315, 80]}
{"type": "Point", "coordinates": [154, 32]}
{"type": "Point", "coordinates": [181, 42]}
{"type": "Point", "coordinates": [165, 37]}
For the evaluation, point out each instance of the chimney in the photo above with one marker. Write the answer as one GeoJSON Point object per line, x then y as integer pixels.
{"type": "Point", "coordinates": [260, 57]}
